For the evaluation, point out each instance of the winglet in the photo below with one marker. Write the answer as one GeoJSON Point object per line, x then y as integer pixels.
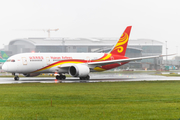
{"type": "Point", "coordinates": [120, 47]}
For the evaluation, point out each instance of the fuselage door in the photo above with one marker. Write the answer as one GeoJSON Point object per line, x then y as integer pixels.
{"type": "Point", "coordinates": [48, 60]}
{"type": "Point", "coordinates": [24, 60]}
{"type": "Point", "coordinates": [88, 59]}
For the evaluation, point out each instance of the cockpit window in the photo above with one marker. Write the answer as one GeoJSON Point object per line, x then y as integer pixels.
{"type": "Point", "coordinates": [10, 60]}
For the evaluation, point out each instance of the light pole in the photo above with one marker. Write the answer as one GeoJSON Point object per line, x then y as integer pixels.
{"type": "Point", "coordinates": [177, 50]}
{"type": "Point", "coordinates": [152, 48]}
{"type": "Point", "coordinates": [166, 53]}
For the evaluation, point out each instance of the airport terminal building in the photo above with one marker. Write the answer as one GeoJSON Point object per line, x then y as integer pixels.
{"type": "Point", "coordinates": [136, 48]}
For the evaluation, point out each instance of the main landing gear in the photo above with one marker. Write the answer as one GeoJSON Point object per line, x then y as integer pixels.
{"type": "Point", "coordinates": [60, 77]}
{"type": "Point", "coordinates": [85, 78]}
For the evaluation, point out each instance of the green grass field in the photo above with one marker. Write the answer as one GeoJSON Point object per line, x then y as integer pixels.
{"type": "Point", "coordinates": [156, 100]}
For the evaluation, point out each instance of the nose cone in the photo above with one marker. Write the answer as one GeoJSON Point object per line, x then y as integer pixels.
{"type": "Point", "coordinates": [5, 67]}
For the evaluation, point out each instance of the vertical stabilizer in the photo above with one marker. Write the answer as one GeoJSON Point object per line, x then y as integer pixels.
{"type": "Point", "coordinates": [120, 47]}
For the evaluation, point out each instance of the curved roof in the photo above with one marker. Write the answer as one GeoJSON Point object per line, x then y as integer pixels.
{"type": "Point", "coordinates": [21, 40]}
{"type": "Point", "coordinates": [82, 41]}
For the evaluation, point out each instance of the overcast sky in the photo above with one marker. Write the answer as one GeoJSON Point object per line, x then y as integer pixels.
{"type": "Point", "coordinates": [151, 19]}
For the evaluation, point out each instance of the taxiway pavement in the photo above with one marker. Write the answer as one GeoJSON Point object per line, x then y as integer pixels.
{"type": "Point", "coordinates": [102, 77]}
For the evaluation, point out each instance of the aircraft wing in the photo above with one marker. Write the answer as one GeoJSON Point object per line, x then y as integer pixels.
{"type": "Point", "coordinates": [67, 65]}
{"type": "Point", "coordinates": [100, 63]}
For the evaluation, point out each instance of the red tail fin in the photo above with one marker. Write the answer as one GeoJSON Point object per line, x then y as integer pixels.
{"type": "Point", "coordinates": [120, 47]}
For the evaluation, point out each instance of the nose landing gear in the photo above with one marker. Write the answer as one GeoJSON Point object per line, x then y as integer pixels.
{"type": "Point", "coordinates": [16, 78]}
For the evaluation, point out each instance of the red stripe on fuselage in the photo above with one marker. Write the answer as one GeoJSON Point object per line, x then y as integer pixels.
{"type": "Point", "coordinates": [106, 67]}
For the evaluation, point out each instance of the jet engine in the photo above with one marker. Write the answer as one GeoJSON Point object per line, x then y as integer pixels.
{"type": "Point", "coordinates": [31, 74]}
{"type": "Point", "coordinates": [79, 70]}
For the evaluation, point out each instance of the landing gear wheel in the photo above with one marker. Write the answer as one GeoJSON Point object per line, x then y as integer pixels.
{"type": "Point", "coordinates": [57, 77]}
{"type": "Point", "coordinates": [16, 78]}
{"type": "Point", "coordinates": [61, 77]}
{"type": "Point", "coordinates": [85, 78]}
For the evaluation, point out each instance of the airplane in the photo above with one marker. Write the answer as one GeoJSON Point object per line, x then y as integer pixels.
{"type": "Point", "coordinates": [3, 58]}
{"type": "Point", "coordinates": [75, 64]}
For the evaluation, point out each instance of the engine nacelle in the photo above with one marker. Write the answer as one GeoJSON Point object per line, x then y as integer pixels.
{"type": "Point", "coordinates": [79, 70]}
{"type": "Point", "coordinates": [31, 74]}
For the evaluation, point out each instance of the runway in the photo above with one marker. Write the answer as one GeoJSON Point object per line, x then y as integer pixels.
{"type": "Point", "coordinates": [95, 77]}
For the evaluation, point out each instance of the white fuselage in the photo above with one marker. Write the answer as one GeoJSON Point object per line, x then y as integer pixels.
{"type": "Point", "coordinates": [30, 62]}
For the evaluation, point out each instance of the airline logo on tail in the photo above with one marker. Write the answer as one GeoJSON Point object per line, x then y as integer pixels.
{"type": "Point", "coordinates": [123, 40]}
{"type": "Point", "coordinates": [120, 47]}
